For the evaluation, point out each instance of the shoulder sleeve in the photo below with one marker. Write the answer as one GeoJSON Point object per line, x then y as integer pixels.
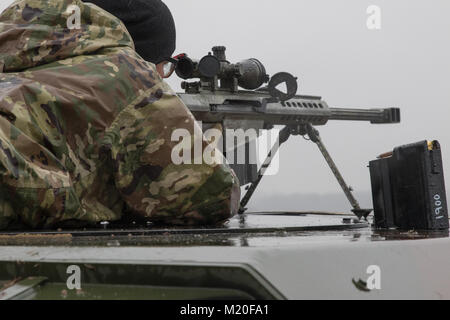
{"type": "Point", "coordinates": [149, 137]}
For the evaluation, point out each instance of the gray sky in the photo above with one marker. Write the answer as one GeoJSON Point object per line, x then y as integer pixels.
{"type": "Point", "coordinates": [327, 45]}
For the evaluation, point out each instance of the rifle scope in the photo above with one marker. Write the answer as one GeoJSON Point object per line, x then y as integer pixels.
{"type": "Point", "coordinates": [249, 74]}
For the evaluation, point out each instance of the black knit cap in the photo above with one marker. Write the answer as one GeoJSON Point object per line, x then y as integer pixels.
{"type": "Point", "coordinates": [150, 24]}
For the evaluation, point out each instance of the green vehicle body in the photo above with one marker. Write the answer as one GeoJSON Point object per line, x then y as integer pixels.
{"type": "Point", "coordinates": [260, 256]}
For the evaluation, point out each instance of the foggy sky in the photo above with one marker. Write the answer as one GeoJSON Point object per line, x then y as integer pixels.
{"type": "Point", "coordinates": [327, 45]}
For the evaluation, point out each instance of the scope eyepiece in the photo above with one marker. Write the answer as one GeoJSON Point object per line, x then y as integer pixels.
{"type": "Point", "coordinates": [185, 68]}
{"type": "Point", "coordinates": [207, 67]}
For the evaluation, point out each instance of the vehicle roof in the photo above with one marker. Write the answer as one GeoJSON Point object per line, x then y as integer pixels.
{"type": "Point", "coordinates": [254, 229]}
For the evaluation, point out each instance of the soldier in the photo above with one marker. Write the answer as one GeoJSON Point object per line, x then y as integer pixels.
{"type": "Point", "coordinates": [86, 121]}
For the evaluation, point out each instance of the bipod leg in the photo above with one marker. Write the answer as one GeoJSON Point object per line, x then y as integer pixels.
{"type": "Point", "coordinates": [284, 135]}
{"type": "Point", "coordinates": [315, 137]}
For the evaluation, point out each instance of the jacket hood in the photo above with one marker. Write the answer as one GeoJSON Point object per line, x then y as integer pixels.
{"type": "Point", "coordinates": [38, 32]}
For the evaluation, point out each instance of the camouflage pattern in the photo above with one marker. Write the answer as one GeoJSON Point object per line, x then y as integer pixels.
{"type": "Point", "coordinates": [86, 125]}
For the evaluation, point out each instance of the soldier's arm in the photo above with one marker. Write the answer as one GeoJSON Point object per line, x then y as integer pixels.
{"type": "Point", "coordinates": [150, 181]}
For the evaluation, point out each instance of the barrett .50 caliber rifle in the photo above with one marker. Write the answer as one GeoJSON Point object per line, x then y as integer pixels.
{"type": "Point", "coordinates": [216, 98]}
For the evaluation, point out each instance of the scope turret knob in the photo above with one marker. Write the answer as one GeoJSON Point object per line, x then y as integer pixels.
{"type": "Point", "coordinates": [219, 53]}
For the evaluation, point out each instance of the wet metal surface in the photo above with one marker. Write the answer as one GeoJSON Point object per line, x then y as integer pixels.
{"type": "Point", "coordinates": [252, 230]}
{"type": "Point", "coordinates": [294, 256]}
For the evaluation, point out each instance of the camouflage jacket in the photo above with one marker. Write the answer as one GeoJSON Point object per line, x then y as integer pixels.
{"type": "Point", "coordinates": [86, 125]}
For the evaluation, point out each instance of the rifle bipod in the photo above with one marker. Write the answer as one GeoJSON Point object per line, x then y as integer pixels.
{"type": "Point", "coordinates": [314, 136]}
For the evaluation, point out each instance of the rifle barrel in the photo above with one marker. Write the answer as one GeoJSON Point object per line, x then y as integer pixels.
{"type": "Point", "coordinates": [215, 107]}
{"type": "Point", "coordinates": [390, 115]}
